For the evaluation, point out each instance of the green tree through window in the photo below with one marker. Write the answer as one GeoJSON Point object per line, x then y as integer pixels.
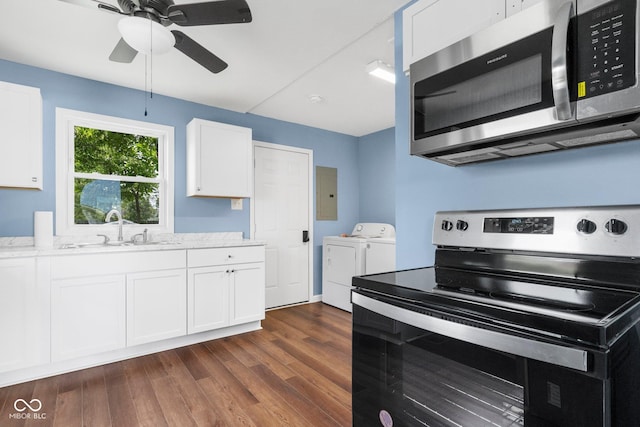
{"type": "Point", "coordinates": [114, 170]}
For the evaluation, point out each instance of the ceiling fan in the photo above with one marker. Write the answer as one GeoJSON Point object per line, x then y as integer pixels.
{"type": "Point", "coordinates": [144, 29]}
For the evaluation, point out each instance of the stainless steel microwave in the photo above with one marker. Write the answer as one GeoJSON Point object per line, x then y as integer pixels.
{"type": "Point", "coordinates": [558, 75]}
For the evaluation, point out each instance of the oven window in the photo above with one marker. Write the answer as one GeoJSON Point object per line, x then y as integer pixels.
{"type": "Point", "coordinates": [414, 377]}
{"type": "Point", "coordinates": [446, 392]}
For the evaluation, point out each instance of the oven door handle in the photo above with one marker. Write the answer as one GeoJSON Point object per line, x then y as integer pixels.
{"type": "Point", "coordinates": [559, 79]}
{"type": "Point", "coordinates": [567, 357]}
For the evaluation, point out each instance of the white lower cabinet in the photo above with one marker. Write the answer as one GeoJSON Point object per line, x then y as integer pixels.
{"type": "Point", "coordinates": [156, 306]}
{"type": "Point", "coordinates": [104, 302]}
{"type": "Point", "coordinates": [208, 290]}
{"type": "Point", "coordinates": [229, 293]}
{"type": "Point", "coordinates": [22, 341]}
{"type": "Point", "coordinates": [66, 312]}
{"type": "Point", "coordinates": [247, 293]}
{"type": "Point", "coordinates": [87, 316]}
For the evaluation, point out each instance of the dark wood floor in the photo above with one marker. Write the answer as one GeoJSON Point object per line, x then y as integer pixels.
{"type": "Point", "coordinates": [294, 372]}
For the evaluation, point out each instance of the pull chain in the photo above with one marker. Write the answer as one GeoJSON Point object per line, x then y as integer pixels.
{"type": "Point", "coordinates": [148, 69]}
{"type": "Point", "coordinates": [145, 84]}
{"type": "Point", "coordinates": [151, 60]}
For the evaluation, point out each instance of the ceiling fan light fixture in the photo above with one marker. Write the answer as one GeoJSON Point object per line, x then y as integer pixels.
{"type": "Point", "coordinates": [381, 70]}
{"type": "Point", "coordinates": [145, 35]}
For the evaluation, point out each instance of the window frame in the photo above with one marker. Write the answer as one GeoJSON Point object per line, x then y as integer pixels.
{"type": "Point", "coordinates": [66, 121]}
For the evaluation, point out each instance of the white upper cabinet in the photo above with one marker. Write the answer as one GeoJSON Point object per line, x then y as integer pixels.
{"type": "Point", "coordinates": [515, 6]}
{"type": "Point", "coordinates": [430, 25]}
{"type": "Point", "coordinates": [21, 136]}
{"type": "Point", "coordinates": [219, 160]}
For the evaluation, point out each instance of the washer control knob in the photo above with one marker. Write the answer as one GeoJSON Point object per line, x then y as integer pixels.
{"type": "Point", "coordinates": [447, 225]}
{"type": "Point", "coordinates": [462, 225]}
{"type": "Point", "coordinates": [585, 226]}
{"type": "Point", "coordinates": [615, 226]}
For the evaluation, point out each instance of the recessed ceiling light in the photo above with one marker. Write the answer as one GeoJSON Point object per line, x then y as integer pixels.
{"type": "Point", "coordinates": [316, 99]}
{"type": "Point", "coordinates": [381, 70]}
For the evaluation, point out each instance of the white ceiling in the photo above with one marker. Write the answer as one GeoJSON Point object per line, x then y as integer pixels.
{"type": "Point", "coordinates": [291, 50]}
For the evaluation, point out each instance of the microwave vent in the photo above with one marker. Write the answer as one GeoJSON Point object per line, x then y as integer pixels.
{"type": "Point", "coordinates": [469, 157]}
{"type": "Point", "coordinates": [528, 149]}
{"type": "Point", "coordinates": [597, 139]}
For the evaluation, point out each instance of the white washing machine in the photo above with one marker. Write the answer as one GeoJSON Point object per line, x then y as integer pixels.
{"type": "Point", "coordinates": [343, 257]}
{"type": "Point", "coordinates": [380, 255]}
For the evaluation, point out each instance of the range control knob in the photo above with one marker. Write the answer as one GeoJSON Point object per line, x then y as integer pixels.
{"type": "Point", "coordinates": [615, 226]}
{"type": "Point", "coordinates": [447, 225]}
{"type": "Point", "coordinates": [462, 225]}
{"type": "Point", "coordinates": [585, 226]}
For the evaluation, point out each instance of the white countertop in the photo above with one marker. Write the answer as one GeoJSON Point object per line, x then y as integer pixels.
{"type": "Point", "coordinates": [16, 247]}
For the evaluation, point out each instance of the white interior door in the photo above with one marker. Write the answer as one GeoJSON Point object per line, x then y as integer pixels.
{"type": "Point", "coordinates": [281, 211]}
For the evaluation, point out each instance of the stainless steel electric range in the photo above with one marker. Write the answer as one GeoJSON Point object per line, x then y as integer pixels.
{"type": "Point", "coordinates": [528, 318]}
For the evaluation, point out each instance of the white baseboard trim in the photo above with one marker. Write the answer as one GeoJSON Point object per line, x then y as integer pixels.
{"type": "Point", "coordinates": [313, 299]}
{"type": "Point", "coordinates": [316, 298]}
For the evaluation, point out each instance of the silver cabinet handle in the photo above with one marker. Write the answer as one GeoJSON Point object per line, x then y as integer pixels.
{"type": "Point", "coordinates": [559, 80]}
{"type": "Point", "coordinates": [545, 352]}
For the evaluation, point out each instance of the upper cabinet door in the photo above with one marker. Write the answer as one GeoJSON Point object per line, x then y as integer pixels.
{"type": "Point", "coordinates": [431, 25]}
{"type": "Point", "coordinates": [20, 136]}
{"type": "Point", "coordinates": [219, 160]}
{"type": "Point", "coordinates": [515, 6]}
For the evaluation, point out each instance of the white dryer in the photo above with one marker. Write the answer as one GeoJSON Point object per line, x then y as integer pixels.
{"type": "Point", "coordinates": [346, 256]}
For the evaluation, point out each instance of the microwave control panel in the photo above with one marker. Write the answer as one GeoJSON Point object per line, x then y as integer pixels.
{"type": "Point", "coordinates": [606, 48]}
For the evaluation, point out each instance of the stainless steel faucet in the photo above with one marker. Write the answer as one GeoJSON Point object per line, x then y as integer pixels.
{"type": "Point", "coordinates": [108, 219]}
{"type": "Point", "coordinates": [145, 237]}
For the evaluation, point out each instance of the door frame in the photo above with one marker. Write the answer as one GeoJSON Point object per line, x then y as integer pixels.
{"type": "Point", "coordinates": [310, 245]}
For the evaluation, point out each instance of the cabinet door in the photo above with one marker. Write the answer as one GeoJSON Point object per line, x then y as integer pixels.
{"type": "Point", "coordinates": [515, 6]}
{"type": "Point", "coordinates": [19, 314]}
{"type": "Point", "coordinates": [208, 298]}
{"type": "Point", "coordinates": [156, 306]}
{"type": "Point", "coordinates": [431, 25]}
{"type": "Point", "coordinates": [21, 136]}
{"type": "Point", "coordinates": [87, 316]}
{"type": "Point", "coordinates": [219, 160]}
{"type": "Point", "coordinates": [247, 298]}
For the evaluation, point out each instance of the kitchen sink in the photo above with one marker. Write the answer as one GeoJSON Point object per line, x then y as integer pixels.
{"type": "Point", "coordinates": [116, 244]}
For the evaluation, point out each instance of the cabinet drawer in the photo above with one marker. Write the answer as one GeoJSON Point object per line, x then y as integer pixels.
{"type": "Point", "coordinates": [221, 256]}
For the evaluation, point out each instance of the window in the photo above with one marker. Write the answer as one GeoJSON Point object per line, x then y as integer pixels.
{"type": "Point", "coordinates": [106, 163]}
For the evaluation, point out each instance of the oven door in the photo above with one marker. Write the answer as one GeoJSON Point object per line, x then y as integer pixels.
{"type": "Point", "coordinates": [418, 368]}
{"type": "Point", "coordinates": [507, 80]}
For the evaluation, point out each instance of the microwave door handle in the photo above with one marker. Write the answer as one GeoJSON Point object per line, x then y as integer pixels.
{"type": "Point", "coordinates": [559, 80]}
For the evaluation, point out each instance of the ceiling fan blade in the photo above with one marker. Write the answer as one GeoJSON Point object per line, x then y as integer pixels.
{"type": "Point", "coordinates": [127, 6]}
{"type": "Point", "coordinates": [195, 51]}
{"type": "Point", "coordinates": [93, 4]}
{"type": "Point", "coordinates": [123, 53]}
{"type": "Point", "coordinates": [210, 13]}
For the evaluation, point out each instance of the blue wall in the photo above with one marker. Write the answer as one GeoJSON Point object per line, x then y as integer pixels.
{"type": "Point", "coordinates": [377, 177]}
{"type": "Point", "coordinates": [602, 175]}
{"type": "Point", "coordinates": [191, 214]}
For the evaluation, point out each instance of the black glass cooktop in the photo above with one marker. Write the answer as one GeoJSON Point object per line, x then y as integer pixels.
{"type": "Point", "coordinates": [583, 312]}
